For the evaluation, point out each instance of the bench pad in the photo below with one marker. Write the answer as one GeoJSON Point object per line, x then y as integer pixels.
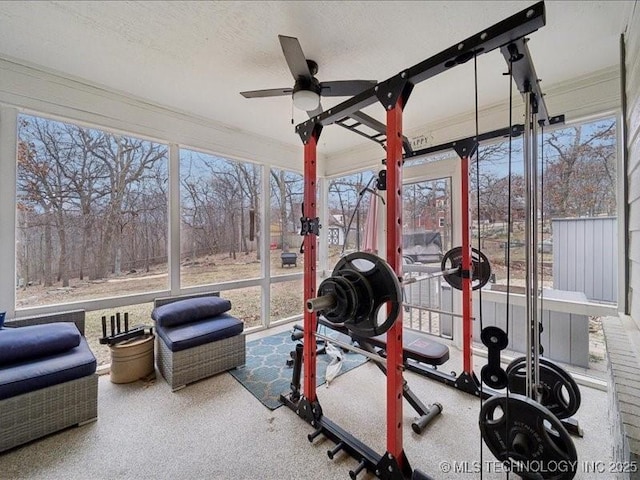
{"type": "Point", "coordinates": [417, 346]}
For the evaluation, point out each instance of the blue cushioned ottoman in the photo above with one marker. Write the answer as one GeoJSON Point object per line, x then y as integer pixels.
{"type": "Point", "coordinates": [196, 339]}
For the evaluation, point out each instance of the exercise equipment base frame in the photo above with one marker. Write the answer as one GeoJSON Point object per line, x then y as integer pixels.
{"type": "Point", "coordinates": [384, 466]}
{"type": "Point", "coordinates": [426, 414]}
{"type": "Point", "coordinates": [469, 383]}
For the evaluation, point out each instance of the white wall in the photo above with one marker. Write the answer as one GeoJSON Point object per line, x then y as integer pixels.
{"type": "Point", "coordinates": [633, 145]}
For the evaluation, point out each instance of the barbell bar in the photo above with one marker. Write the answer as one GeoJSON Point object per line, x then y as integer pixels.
{"type": "Point", "coordinates": [435, 310]}
{"type": "Point", "coordinates": [373, 356]}
{"type": "Point", "coordinates": [320, 303]}
{"type": "Point", "coordinates": [429, 276]}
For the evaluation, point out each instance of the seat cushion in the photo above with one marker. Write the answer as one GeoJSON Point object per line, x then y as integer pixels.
{"type": "Point", "coordinates": [30, 375]}
{"type": "Point", "coordinates": [198, 333]}
{"type": "Point", "coordinates": [189, 310]}
{"type": "Point", "coordinates": [36, 341]}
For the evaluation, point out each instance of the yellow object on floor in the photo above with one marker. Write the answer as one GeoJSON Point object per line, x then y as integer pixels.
{"type": "Point", "coordinates": [132, 360]}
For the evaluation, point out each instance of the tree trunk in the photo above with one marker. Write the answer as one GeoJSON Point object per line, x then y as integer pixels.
{"type": "Point", "coordinates": [63, 272]}
{"type": "Point", "coordinates": [48, 277]}
{"type": "Point", "coordinates": [283, 212]}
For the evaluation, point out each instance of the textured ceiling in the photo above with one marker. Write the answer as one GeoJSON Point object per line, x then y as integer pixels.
{"type": "Point", "coordinates": [196, 57]}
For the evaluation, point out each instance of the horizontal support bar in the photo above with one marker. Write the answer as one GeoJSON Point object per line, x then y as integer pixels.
{"type": "Point", "coordinates": [516, 130]}
{"type": "Point", "coordinates": [379, 127]}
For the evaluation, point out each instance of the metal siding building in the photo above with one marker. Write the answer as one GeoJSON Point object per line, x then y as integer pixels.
{"type": "Point", "coordinates": [585, 256]}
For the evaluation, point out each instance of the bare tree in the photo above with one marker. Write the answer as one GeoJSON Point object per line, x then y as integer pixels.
{"type": "Point", "coordinates": [580, 175]}
{"type": "Point", "coordinates": [129, 163]}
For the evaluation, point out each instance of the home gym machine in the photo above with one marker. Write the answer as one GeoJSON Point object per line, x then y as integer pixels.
{"type": "Point", "coordinates": [393, 94]}
{"type": "Point", "coordinates": [516, 426]}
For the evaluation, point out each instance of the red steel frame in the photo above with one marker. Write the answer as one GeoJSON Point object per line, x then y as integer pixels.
{"type": "Point", "coordinates": [394, 258]}
{"type": "Point", "coordinates": [310, 255]}
{"type": "Point", "coordinates": [467, 300]}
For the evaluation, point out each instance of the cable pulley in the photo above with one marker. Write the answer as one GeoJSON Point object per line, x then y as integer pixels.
{"type": "Point", "coordinates": [528, 438]}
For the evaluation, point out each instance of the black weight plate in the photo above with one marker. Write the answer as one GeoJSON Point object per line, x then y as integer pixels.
{"type": "Point", "coordinates": [345, 296]}
{"type": "Point", "coordinates": [494, 337]}
{"type": "Point", "coordinates": [364, 293]}
{"type": "Point", "coordinates": [528, 438]}
{"type": "Point", "coordinates": [558, 369]}
{"type": "Point", "coordinates": [385, 288]}
{"type": "Point", "coordinates": [559, 391]}
{"type": "Point", "coordinates": [480, 268]}
{"type": "Point", "coordinates": [495, 378]}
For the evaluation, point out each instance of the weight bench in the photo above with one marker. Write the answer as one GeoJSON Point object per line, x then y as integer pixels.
{"type": "Point", "coordinates": [417, 347]}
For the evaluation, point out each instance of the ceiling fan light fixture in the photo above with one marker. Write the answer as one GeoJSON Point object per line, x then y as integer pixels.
{"type": "Point", "coordinates": [306, 100]}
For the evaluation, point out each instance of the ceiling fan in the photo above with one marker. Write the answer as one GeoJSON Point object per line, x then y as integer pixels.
{"type": "Point", "coordinates": [307, 90]}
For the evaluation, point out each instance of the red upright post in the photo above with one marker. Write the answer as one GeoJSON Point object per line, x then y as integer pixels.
{"type": "Point", "coordinates": [394, 258]}
{"type": "Point", "coordinates": [310, 255]}
{"type": "Point", "coordinates": [467, 300]}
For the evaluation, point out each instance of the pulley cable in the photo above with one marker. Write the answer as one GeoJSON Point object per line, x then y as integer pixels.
{"type": "Point", "coordinates": [477, 133]}
{"type": "Point", "coordinates": [509, 219]}
{"type": "Point", "coordinates": [541, 226]}
{"type": "Point", "coordinates": [355, 211]}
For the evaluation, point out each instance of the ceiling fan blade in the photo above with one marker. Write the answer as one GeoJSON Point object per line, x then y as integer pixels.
{"type": "Point", "coordinates": [295, 57]}
{"type": "Point", "coordinates": [345, 88]}
{"type": "Point", "coordinates": [272, 92]}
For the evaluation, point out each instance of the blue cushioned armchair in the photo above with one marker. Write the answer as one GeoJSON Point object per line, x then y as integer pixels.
{"type": "Point", "coordinates": [196, 338]}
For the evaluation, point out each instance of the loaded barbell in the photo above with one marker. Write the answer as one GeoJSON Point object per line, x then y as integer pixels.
{"type": "Point", "coordinates": [453, 273]}
{"type": "Point", "coordinates": [362, 283]}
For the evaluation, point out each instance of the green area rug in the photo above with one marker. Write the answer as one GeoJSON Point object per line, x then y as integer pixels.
{"type": "Point", "coordinates": [266, 374]}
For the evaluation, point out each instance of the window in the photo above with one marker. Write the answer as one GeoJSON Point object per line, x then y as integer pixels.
{"type": "Point", "coordinates": [287, 190]}
{"type": "Point", "coordinates": [349, 202]}
{"type": "Point", "coordinates": [577, 229]}
{"type": "Point", "coordinates": [91, 213]}
{"type": "Point", "coordinates": [426, 212]}
{"type": "Point", "coordinates": [220, 220]}
{"type": "Point", "coordinates": [578, 180]}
